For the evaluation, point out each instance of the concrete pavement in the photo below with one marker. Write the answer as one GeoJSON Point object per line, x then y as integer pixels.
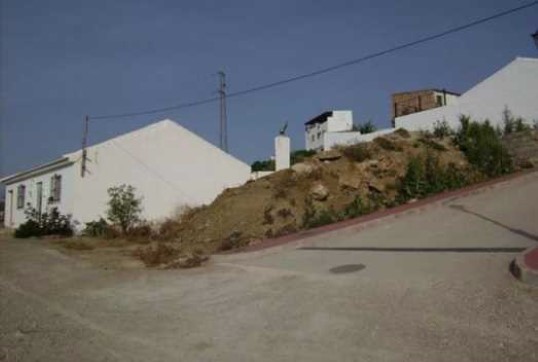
{"type": "Point", "coordinates": [428, 285]}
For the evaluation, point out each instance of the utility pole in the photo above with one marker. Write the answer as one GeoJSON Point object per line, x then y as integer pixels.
{"type": "Point", "coordinates": [84, 145]}
{"type": "Point", "coordinates": [223, 119]}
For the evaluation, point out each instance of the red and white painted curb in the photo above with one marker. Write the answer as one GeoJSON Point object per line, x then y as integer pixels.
{"type": "Point", "coordinates": [525, 266]}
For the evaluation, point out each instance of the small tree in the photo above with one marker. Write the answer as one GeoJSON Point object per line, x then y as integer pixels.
{"type": "Point", "coordinates": [123, 207]}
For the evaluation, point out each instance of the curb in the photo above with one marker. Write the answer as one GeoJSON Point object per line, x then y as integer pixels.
{"type": "Point", "coordinates": [525, 266]}
{"type": "Point", "coordinates": [264, 244]}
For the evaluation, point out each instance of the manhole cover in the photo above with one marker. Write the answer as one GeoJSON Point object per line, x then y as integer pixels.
{"type": "Point", "coordinates": [347, 268]}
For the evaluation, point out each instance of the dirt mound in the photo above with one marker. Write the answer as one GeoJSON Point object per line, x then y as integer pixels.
{"type": "Point", "coordinates": [327, 187]}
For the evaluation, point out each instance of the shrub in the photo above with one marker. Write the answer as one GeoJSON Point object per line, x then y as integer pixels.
{"type": "Point", "coordinates": [403, 133]}
{"type": "Point", "coordinates": [366, 128]}
{"type": "Point", "coordinates": [28, 229]}
{"type": "Point", "coordinates": [299, 156]}
{"type": "Point", "coordinates": [47, 223]}
{"type": "Point", "coordinates": [425, 176]}
{"type": "Point", "coordinates": [313, 218]}
{"type": "Point", "coordinates": [357, 153]}
{"type": "Point", "coordinates": [430, 143]}
{"type": "Point", "coordinates": [442, 129]}
{"type": "Point", "coordinates": [483, 148]}
{"type": "Point", "coordinates": [154, 255]}
{"type": "Point", "coordinates": [141, 233]}
{"type": "Point", "coordinates": [413, 182]}
{"type": "Point", "coordinates": [124, 207]}
{"type": "Point", "coordinates": [266, 165]}
{"type": "Point", "coordinates": [97, 228]}
{"type": "Point", "coordinates": [356, 208]}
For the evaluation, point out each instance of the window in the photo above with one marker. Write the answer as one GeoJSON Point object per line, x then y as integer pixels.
{"type": "Point", "coordinates": [55, 188]}
{"type": "Point", "coordinates": [439, 100]}
{"type": "Point", "coordinates": [313, 137]}
{"type": "Point", "coordinates": [21, 191]}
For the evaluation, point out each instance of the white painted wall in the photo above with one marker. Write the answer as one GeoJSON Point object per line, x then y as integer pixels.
{"type": "Point", "coordinates": [314, 136]}
{"type": "Point", "coordinates": [16, 216]}
{"type": "Point", "coordinates": [169, 166]}
{"type": "Point", "coordinates": [282, 152]}
{"type": "Point", "coordinates": [340, 121]}
{"type": "Point", "coordinates": [333, 139]}
{"type": "Point", "coordinates": [515, 86]}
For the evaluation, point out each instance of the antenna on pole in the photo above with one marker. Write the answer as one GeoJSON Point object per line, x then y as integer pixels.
{"type": "Point", "coordinates": [84, 145]}
{"type": "Point", "coordinates": [223, 119]}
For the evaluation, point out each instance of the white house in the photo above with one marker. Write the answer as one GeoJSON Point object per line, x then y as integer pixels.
{"type": "Point", "coordinates": [514, 87]}
{"type": "Point", "coordinates": [327, 122]}
{"type": "Point", "coordinates": [169, 166]}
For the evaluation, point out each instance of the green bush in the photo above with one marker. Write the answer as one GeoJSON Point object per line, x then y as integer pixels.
{"type": "Point", "coordinates": [267, 165]}
{"type": "Point", "coordinates": [482, 147]}
{"type": "Point", "coordinates": [28, 229]}
{"type": "Point", "coordinates": [365, 128]}
{"type": "Point", "coordinates": [47, 223]}
{"type": "Point", "coordinates": [356, 208]}
{"type": "Point", "coordinates": [425, 176]}
{"type": "Point", "coordinates": [124, 207]}
{"type": "Point", "coordinates": [299, 156]}
{"type": "Point", "coordinates": [313, 218]}
{"type": "Point", "coordinates": [442, 129]}
{"type": "Point", "coordinates": [97, 228]}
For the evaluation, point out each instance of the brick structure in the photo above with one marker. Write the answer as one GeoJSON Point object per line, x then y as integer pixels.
{"type": "Point", "coordinates": [416, 101]}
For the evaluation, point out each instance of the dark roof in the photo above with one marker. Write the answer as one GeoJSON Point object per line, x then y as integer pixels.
{"type": "Point", "coordinates": [320, 119]}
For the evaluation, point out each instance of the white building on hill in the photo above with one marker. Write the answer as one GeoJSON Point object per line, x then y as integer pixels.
{"type": "Point", "coordinates": [169, 166]}
{"type": "Point", "coordinates": [514, 87]}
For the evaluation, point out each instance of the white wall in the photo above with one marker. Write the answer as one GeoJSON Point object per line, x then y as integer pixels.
{"type": "Point", "coordinates": [349, 138]}
{"type": "Point", "coordinates": [169, 166]}
{"type": "Point", "coordinates": [65, 205]}
{"type": "Point", "coordinates": [282, 152]}
{"type": "Point", "coordinates": [515, 86]}
{"type": "Point", "coordinates": [340, 121]}
{"type": "Point", "coordinates": [314, 136]}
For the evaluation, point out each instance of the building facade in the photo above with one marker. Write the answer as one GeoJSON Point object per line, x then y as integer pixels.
{"type": "Point", "coordinates": [514, 87]}
{"type": "Point", "coordinates": [405, 103]}
{"type": "Point", "coordinates": [169, 166]}
{"type": "Point", "coordinates": [327, 122]}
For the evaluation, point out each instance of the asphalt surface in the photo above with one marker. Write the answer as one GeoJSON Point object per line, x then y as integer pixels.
{"type": "Point", "coordinates": [428, 285]}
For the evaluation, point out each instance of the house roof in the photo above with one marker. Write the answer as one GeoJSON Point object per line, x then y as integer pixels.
{"type": "Point", "coordinates": [72, 157]}
{"type": "Point", "coordinates": [47, 167]}
{"type": "Point", "coordinates": [320, 119]}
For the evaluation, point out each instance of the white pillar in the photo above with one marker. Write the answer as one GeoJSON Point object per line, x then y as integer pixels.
{"type": "Point", "coordinates": [282, 152]}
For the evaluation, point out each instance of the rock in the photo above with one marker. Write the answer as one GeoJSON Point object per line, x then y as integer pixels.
{"type": "Point", "coordinates": [376, 186]}
{"type": "Point", "coordinates": [331, 155]}
{"type": "Point", "coordinates": [349, 182]}
{"type": "Point", "coordinates": [188, 260]}
{"type": "Point", "coordinates": [301, 168]}
{"type": "Point", "coordinates": [319, 192]}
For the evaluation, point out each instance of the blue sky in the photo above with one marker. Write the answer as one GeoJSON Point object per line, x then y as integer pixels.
{"type": "Point", "coordinates": [62, 59]}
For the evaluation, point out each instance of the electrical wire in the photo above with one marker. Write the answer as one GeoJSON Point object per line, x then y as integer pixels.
{"type": "Point", "coordinates": [324, 70]}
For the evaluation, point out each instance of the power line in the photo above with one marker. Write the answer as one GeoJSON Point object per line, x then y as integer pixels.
{"type": "Point", "coordinates": [327, 69]}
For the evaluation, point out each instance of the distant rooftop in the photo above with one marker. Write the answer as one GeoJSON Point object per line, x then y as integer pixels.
{"type": "Point", "coordinates": [321, 118]}
{"type": "Point", "coordinates": [430, 90]}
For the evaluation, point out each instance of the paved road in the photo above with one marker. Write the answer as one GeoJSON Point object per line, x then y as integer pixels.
{"type": "Point", "coordinates": [404, 301]}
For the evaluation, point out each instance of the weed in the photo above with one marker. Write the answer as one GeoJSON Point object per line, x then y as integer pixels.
{"type": "Point", "coordinates": [442, 129]}
{"type": "Point", "coordinates": [402, 133]}
{"type": "Point", "coordinates": [154, 255]}
{"type": "Point", "coordinates": [387, 144]}
{"type": "Point", "coordinates": [483, 148]}
{"type": "Point", "coordinates": [357, 153]}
